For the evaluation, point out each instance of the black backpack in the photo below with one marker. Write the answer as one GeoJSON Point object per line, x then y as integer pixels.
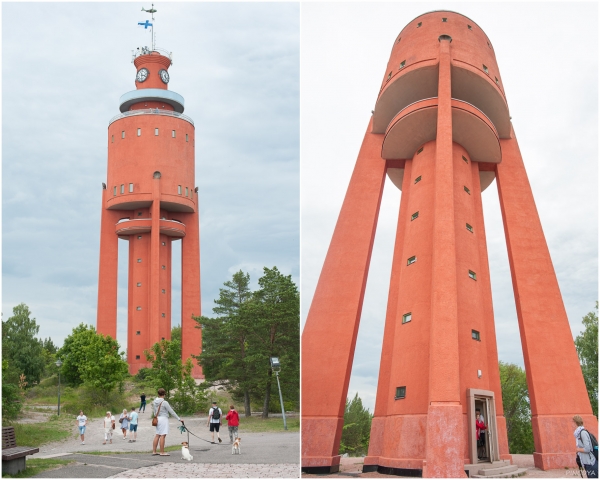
{"type": "Point", "coordinates": [217, 414]}
{"type": "Point", "coordinates": [594, 443]}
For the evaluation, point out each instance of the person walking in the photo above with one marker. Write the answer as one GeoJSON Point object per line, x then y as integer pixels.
{"type": "Point", "coordinates": [584, 448]}
{"type": "Point", "coordinates": [215, 421]}
{"type": "Point", "coordinates": [233, 421]}
{"type": "Point", "coordinates": [109, 425]}
{"type": "Point", "coordinates": [133, 423]}
{"type": "Point", "coordinates": [81, 424]}
{"type": "Point", "coordinates": [161, 410]}
{"type": "Point", "coordinates": [143, 403]}
{"type": "Point", "coordinates": [124, 421]}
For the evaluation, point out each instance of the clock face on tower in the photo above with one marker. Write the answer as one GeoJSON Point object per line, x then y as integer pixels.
{"type": "Point", "coordinates": [164, 76]}
{"type": "Point", "coordinates": [142, 75]}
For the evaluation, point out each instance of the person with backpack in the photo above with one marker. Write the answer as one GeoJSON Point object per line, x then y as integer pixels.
{"type": "Point", "coordinates": [587, 448]}
{"type": "Point", "coordinates": [214, 421]}
{"type": "Point", "coordinates": [233, 422]}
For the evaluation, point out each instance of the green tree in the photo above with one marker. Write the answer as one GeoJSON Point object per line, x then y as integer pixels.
{"type": "Point", "coordinates": [11, 397]}
{"type": "Point", "coordinates": [225, 338]}
{"type": "Point", "coordinates": [586, 344]}
{"type": "Point", "coordinates": [515, 400]}
{"type": "Point", "coordinates": [105, 367]}
{"type": "Point", "coordinates": [275, 319]}
{"type": "Point", "coordinates": [73, 355]}
{"type": "Point", "coordinates": [176, 334]}
{"type": "Point", "coordinates": [357, 428]}
{"type": "Point", "coordinates": [20, 347]}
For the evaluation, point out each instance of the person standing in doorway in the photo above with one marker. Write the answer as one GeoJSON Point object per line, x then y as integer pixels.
{"type": "Point", "coordinates": [81, 424]}
{"type": "Point", "coordinates": [133, 423]}
{"type": "Point", "coordinates": [215, 421]}
{"type": "Point", "coordinates": [480, 427]}
{"type": "Point", "coordinates": [143, 403]}
{"type": "Point", "coordinates": [583, 442]}
{"type": "Point", "coordinates": [233, 421]}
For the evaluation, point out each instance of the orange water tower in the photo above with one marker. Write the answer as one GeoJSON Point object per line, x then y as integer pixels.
{"type": "Point", "coordinates": [150, 200]}
{"type": "Point", "coordinates": [441, 131]}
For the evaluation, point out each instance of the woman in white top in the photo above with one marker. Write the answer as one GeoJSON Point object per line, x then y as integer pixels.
{"type": "Point", "coordinates": [109, 422]}
{"type": "Point", "coordinates": [584, 449]}
{"type": "Point", "coordinates": [161, 409]}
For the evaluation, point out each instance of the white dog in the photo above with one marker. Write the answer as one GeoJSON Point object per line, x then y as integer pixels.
{"type": "Point", "coordinates": [185, 452]}
{"type": "Point", "coordinates": [236, 446]}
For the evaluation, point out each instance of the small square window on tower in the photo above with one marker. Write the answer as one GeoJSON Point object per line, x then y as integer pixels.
{"type": "Point", "coordinates": [164, 268]}
{"type": "Point", "coordinates": [402, 64]}
{"type": "Point", "coordinates": [139, 132]}
{"type": "Point", "coordinates": [389, 76]}
{"type": "Point", "coordinates": [122, 188]}
{"type": "Point", "coordinates": [138, 308]}
{"type": "Point", "coordinates": [137, 357]}
{"type": "Point", "coordinates": [475, 335]}
{"type": "Point", "coordinates": [469, 228]}
{"type": "Point", "coordinates": [139, 284]}
{"type": "Point", "coordinates": [414, 215]}
{"type": "Point", "coordinates": [467, 190]}
{"type": "Point", "coordinates": [173, 133]}
{"type": "Point", "coordinates": [179, 189]}
{"type": "Point", "coordinates": [138, 333]}
{"type": "Point", "coordinates": [123, 134]}
{"type": "Point", "coordinates": [419, 150]}
{"type": "Point", "coordinates": [139, 260]}
{"type": "Point", "coordinates": [411, 260]}
{"type": "Point", "coordinates": [164, 291]}
{"type": "Point", "coordinates": [485, 69]}
{"type": "Point", "coordinates": [444, 19]}
{"type": "Point", "coordinates": [163, 315]}
{"type": "Point", "coordinates": [407, 317]}
{"type": "Point", "coordinates": [139, 214]}
{"type": "Point", "coordinates": [419, 24]}
{"type": "Point", "coordinates": [465, 159]}
{"type": "Point", "coordinates": [469, 27]}
{"type": "Point", "coordinates": [131, 188]}
{"type": "Point", "coordinates": [472, 275]}
{"type": "Point", "coordinates": [418, 179]}
{"type": "Point", "coordinates": [497, 82]}
{"type": "Point", "coordinates": [155, 131]}
{"type": "Point", "coordinates": [400, 393]}
{"type": "Point", "coordinates": [139, 237]}
{"type": "Point", "coordinates": [164, 243]}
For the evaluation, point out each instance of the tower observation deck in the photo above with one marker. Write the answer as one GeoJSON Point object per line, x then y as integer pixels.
{"type": "Point", "coordinates": [150, 200]}
{"type": "Point", "coordinates": [441, 131]}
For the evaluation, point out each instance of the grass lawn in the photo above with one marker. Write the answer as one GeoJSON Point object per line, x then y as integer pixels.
{"type": "Point", "coordinates": [37, 465]}
{"type": "Point", "coordinates": [36, 434]}
{"type": "Point", "coordinates": [256, 424]}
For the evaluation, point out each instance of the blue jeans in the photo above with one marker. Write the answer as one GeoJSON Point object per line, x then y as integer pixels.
{"type": "Point", "coordinates": [591, 470]}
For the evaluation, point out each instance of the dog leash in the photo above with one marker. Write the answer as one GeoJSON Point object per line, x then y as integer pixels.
{"type": "Point", "coordinates": [182, 428]}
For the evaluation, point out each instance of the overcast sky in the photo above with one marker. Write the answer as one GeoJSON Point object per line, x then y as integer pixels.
{"type": "Point", "coordinates": [64, 67]}
{"type": "Point", "coordinates": [548, 57]}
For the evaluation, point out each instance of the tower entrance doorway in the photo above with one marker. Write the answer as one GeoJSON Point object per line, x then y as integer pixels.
{"type": "Point", "coordinates": [486, 449]}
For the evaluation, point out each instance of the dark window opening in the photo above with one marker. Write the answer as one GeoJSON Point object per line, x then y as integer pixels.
{"type": "Point", "coordinates": [475, 335]}
{"type": "Point", "coordinates": [400, 392]}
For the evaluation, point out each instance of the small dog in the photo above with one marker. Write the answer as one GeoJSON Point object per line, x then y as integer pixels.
{"type": "Point", "coordinates": [236, 446]}
{"type": "Point", "coordinates": [185, 452]}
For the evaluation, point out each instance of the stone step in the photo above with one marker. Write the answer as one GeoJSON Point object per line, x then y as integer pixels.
{"type": "Point", "coordinates": [513, 474]}
{"type": "Point", "coordinates": [489, 471]}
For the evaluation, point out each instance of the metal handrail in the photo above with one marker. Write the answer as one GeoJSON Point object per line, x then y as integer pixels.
{"type": "Point", "coordinates": [151, 111]}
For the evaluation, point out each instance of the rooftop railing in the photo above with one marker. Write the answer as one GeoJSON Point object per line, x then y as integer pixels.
{"type": "Point", "coordinates": [148, 51]}
{"type": "Point", "coordinates": [151, 111]}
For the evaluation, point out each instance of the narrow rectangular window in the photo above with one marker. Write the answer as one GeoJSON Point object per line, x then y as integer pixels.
{"type": "Point", "coordinates": [400, 392]}
{"type": "Point", "coordinates": [485, 69]}
{"type": "Point", "coordinates": [138, 308]}
{"type": "Point", "coordinates": [173, 133]}
{"type": "Point", "coordinates": [419, 24]}
{"type": "Point", "coordinates": [137, 357]}
{"type": "Point", "coordinates": [475, 335]}
{"type": "Point", "coordinates": [179, 189]}
{"type": "Point", "coordinates": [163, 315]}
{"type": "Point", "coordinates": [418, 179]}
{"type": "Point", "coordinates": [186, 137]}
{"type": "Point", "coordinates": [407, 317]}
{"type": "Point", "coordinates": [469, 27]}
{"type": "Point", "coordinates": [139, 260]}
{"type": "Point", "coordinates": [156, 131]}
{"type": "Point", "coordinates": [411, 260]}
{"type": "Point", "coordinates": [469, 228]}
{"type": "Point", "coordinates": [186, 191]}
{"type": "Point", "coordinates": [123, 134]}
{"type": "Point", "coordinates": [467, 190]}
{"type": "Point", "coordinates": [130, 187]}
{"type": "Point", "coordinates": [419, 150]}
{"type": "Point", "coordinates": [403, 64]}
{"type": "Point", "coordinates": [139, 284]}
{"type": "Point", "coordinates": [138, 332]}
{"type": "Point", "coordinates": [465, 159]}
{"type": "Point", "coordinates": [414, 215]}
{"type": "Point", "coordinates": [115, 191]}
{"type": "Point", "coordinates": [444, 19]}
{"type": "Point", "coordinates": [139, 132]}
{"type": "Point", "coordinates": [389, 76]}
{"type": "Point", "coordinates": [164, 268]}
{"type": "Point", "coordinates": [113, 139]}
{"type": "Point", "coordinates": [497, 83]}
{"type": "Point", "coordinates": [472, 275]}
{"type": "Point", "coordinates": [122, 188]}
{"type": "Point", "coordinates": [164, 291]}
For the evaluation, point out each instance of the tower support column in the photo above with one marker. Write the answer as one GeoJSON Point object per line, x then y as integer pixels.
{"type": "Point", "coordinates": [329, 336]}
{"type": "Point", "coordinates": [191, 337]}
{"type": "Point", "coordinates": [556, 387]}
{"type": "Point", "coordinates": [444, 414]}
{"type": "Point", "coordinates": [155, 266]}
